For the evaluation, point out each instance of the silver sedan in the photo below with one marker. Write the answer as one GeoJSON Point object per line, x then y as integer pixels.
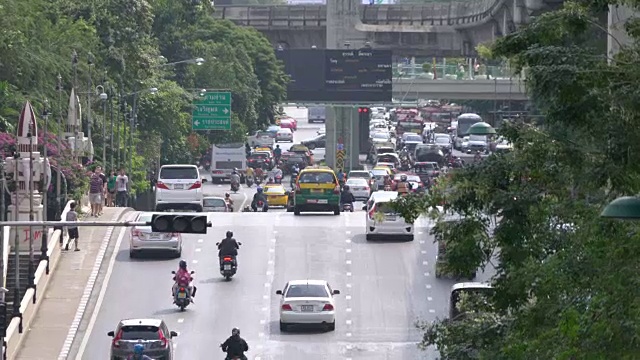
{"type": "Point", "coordinates": [359, 188]}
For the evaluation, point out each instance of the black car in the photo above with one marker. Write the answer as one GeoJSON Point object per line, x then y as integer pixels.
{"type": "Point", "coordinates": [292, 160]}
{"type": "Point", "coordinates": [256, 160]}
{"type": "Point", "coordinates": [317, 142]}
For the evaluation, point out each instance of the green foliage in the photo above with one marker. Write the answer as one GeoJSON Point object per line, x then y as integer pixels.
{"type": "Point", "coordinates": [566, 280]}
{"type": "Point", "coordinates": [118, 45]}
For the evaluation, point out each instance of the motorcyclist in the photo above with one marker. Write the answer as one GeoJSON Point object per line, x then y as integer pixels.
{"type": "Point", "coordinates": [183, 278]}
{"type": "Point", "coordinates": [235, 346]}
{"type": "Point", "coordinates": [228, 200]}
{"type": "Point", "coordinates": [387, 182]}
{"type": "Point", "coordinates": [138, 350]}
{"type": "Point", "coordinates": [277, 153]}
{"type": "Point", "coordinates": [346, 197]}
{"type": "Point", "coordinates": [477, 157]}
{"type": "Point", "coordinates": [257, 197]}
{"type": "Point", "coordinates": [341, 176]}
{"type": "Point", "coordinates": [403, 187]}
{"type": "Point", "coordinates": [228, 247]}
{"type": "Point", "coordinates": [259, 173]}
{"type": "Point", "coordinates": [276, 174]}
{"type": "Point", "coordinates": [249, 173]}
{"type": "Point", "coordinates": [235, 178]}
{"type": "Point", "coordinates": [247, 149]}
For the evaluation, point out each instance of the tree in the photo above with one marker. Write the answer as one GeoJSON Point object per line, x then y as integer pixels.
{"type": "Point", "coordinates": [565, 279]}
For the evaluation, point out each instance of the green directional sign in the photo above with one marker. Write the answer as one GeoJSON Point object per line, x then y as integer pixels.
{"type": "Point", "coordinates": [212, 111]}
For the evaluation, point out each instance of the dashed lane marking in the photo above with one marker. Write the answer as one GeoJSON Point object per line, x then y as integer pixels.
{"type": "Point", "coordinates": [347, 232]}
{"type": "Point", "coordinates": [428, 286]}
{"type": "Point", "coordinates": [348, 250]}
{"type": "Point", "coordinates": [425, 263]}
{"type": "Point", "coordinates": [198, 249]}
{"type": "Point", "coordinates": [348, 274]}
{"type": "Point", "coordinates": [194, 261]}
{"type": "Point", "coordinates": [348, 262]}
{"type": "Point", "coordinates": [180, 321]}
{"type": "Point", "coordinates": [429, 298]}
{"type": "Point", "coordinates": [348, 297]}
{"type": "Point", "coordinates": [348, 322]}
{"type": "Point", "coordinates": [348, 241]}
{"type": "Point", "coordinates": [200, 240]}
{"type": "Point", "coordinates": [432, 311]}
{"type": "Point", "coordinates": [427, 274]}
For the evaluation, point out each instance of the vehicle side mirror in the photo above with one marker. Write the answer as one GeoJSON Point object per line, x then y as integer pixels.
{"type": "Point", "coordinates": [173, 272]}
{"type": "Point", "coordinates": [111, 333]}
{"type": "Point", "coordinates": [239, 243]}
{"type": "Point", "coordinates": [173, 334]}
{"type": "Point", "coordinates": [364, 208]}
{"type": "Point", "coordinates": [336, 292]}
{"type": "Point", "coordinates": [192, 272]}
{"type": "Point", "coordinates": [204, 180]}
{"type": "Point", "coordinates": [217, 243]}
{"type": "Point", "coordinates": [278, 292]}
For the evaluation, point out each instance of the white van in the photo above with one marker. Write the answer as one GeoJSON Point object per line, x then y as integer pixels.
{"type": "Point", "coordinates": [388, 223]}
{"type": "Point", "coordinates": [179, 187]}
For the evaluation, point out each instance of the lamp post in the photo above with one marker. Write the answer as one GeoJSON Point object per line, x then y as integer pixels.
{"type": "Point", "coordinates": [58, 175]}
{"type": "Point", "coordinates": [45, 191]}
{"type": "Point", "coordinates": [111, 120]}
{"type": "Point", "coordinates": [197, 61]}
{"type": "Point", "coordinates": [104, 97]}
{"type": "Point", "coordinates": [89, 93]}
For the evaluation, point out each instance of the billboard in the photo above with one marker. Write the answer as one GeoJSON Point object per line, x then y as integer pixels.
{"type": "Point", "coordinates": [363, 75]}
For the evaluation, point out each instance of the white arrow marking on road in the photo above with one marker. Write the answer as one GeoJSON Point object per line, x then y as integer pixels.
{"type": "Point", "coordinates": [196, 123]}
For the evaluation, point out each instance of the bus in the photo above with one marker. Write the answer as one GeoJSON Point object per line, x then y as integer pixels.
{"type": "Point", "coordinates": [225, 158]}
{"type": "Point", "coordinates": [463, 123]}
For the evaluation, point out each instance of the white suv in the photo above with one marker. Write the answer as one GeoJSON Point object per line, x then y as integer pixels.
{"type": "Point", "coordinates": [179, 187]}
{"type": "Point", "coordinates": [382, 221]}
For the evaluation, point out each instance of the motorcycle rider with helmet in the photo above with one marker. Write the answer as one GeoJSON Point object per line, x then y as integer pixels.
{"type": "Point", "coordinates": [228, 247]}
{"type": "Point", "coordinates": [257, 197]}
{"type": "Point", "coordinates": [183, 278]}
{"type": "Point", "coordinates": [235, 346]}
{"type": "Point", "coordinates": [403, 187]}
{"type": "Point", "coordinates": [235, 179]}
{"type": "Point", "coordinates": [346, 197]}
{"type": "Point", "coordinates": [138, 350]}
{"type": "Point", "coordinates": [477, 157]}
{"type": "Point", "coordinates": [229, 201]}
{"type": "Point", "coordinates": [277, 153]}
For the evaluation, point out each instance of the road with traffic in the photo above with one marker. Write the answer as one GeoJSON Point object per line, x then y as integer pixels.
{"type": "Point", "coordinates": [386, 286]}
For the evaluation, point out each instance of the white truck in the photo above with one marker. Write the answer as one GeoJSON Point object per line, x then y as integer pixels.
{"type": "Point", "coordinates": [225, 158]}
{"type": "Point", "coordinates": [317, 114]}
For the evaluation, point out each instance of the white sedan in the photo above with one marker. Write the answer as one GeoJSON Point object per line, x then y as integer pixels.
{"type": "Point", "coordinates": [359, 188]}
{"type": "Point", "coordinates": [284, 134]}
{"type": "Point", "coordinates": [306, 302]}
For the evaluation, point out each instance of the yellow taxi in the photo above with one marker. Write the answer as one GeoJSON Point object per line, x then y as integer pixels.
{"type": "Point", "coordinates": [276, 195]}
{"type": "Point", "coordinates": [384, 168]}
{"type": "Point", "coordinates": [263, 149]}
{"type": "Point", "coordinates": [317, 189]}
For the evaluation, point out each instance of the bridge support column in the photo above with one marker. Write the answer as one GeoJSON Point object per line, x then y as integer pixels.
{"type": "Point", "coordinates": [343, 128]}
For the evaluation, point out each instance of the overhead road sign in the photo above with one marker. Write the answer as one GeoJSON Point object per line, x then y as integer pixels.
{"type": "Point", "coordinates": [212, 111]}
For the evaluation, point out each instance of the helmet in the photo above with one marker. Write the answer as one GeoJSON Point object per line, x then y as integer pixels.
{"type": "Point", "coordinates": [138, 349]}
{"type": "Point", "coordinates": [182, 264]}
{"type": "Point", "coordinates": [346, 187]}
{"type": "Point", "coordinates": [277, 146]}
{"type": "Point", "coordinates": [235, 331]}
{"type": "Point", "coordinates": [229, 234]}
{"type": "Point", "coordinates": [227, 194]}
{"type": "Point", "coordinates": [259, 189]}
{"type": "Point", "coordinates": [403, 178]}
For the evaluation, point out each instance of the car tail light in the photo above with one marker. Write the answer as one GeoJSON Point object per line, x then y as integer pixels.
{"type": "Point", "coordinates": [298, 190]}
{"type": "Point", "coordinates": [181, 289]}
{"type": "Point", "coordinates": [327, 307]}
{"type": "Point", "coordinates": [196, 185]}
{"type": "Point", "coordinates": [162, 185]}
{"type": "Point", "coordinates": [336, 190]}
{"type": "Point", "coordinates": [366, 188]}
{"type": "Point", "coordinates": [175, 235]}
{"type": "Point", "coordinates": [286, 307]}
{"type": "Point", "coordinates": [116, 340]}
{"type": "Point", "coordinates": [227, 259]}
{"type": "Point", "coordinates": [163, 340]}
{"type": "Point", "coordinates": [372, 212]}
{"type": "Point", "coordinates": [136, 233]}
{"type": "Point", "coordinates": [218, 172]}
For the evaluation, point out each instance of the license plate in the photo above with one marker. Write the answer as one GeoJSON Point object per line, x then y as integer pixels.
{"type": "Point", "coordinates": [316, 191]}
{"type": "Point", "coordinates": [324, 201]}
{"type": "Point", "coordinates": [390, 218]}
{"type": "Point", "coordinates": [272, 197]}
{"type": "Point", "coordinates": [182, 295]}
{"type": "Point", "coordinates": [307, 308]}
{"type": "Point", "coordinates": [227, 267]}
{"type": "Point", "coordinates": [154, 236]}
{"type": "Point", "coordinates": [178, 186]}
{"type": "Point", "coordinates": [312, 201]}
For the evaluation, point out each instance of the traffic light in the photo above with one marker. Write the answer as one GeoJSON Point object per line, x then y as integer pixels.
{"type": "Point", "coordinates": [364, 115]}
{"type": "Point", "coordinates": [3, 319]}
{"type": "Point", "coordinates": [186, 224]}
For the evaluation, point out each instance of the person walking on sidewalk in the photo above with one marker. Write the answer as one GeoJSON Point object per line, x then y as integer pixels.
{"type": "Point", "coordinates": [122, 189]}
{"type": "Point", "coordinates": [111, 188]}
{"type": "Point", "coordinates": [72, 215]}
{"type": "Point", "coordinates": [96, 191]}
{"type": "Point", "coordinates": [104, 188]}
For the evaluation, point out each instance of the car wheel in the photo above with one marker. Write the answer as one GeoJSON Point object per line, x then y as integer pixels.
{"type": "Point", "coordinates": [311, 146]}
{"type": "Point", "coordinates": [132, 254]}
{"type": "Point", "coordinates": [289, 209]}
{"type": "Point", "coordinates": [159, 208]}
{"type": "Point", "coordinates": [369, 237]}
{"type": "Point", "coordinates": [409, 238]}
{"type": "Point", "coordinates": [199, 208]}
{"type": "Point", "coordinates": [336, 211]}
{"type": "Point", "coordinates": [296, 211]}
{"type": "Point", "coordinates": [283, 327]}
{"type": "Point", "coordinates": [332, 326]}
{"type": "Point", "coordinates": [178, 254]}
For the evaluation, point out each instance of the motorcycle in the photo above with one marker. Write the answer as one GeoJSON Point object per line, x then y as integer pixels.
{"type": "Point", "coordinates": [347, 207]}
{"type": "Point", "coordinates": [258, 180]}
{"type": "Point", "coordinates": [228, 267]}
{"type": "Point", "coordinates": [233, 357]}
{"type": "Point", "coordinates": [260, 206]}
{"type": "Point", "coordinates": [235, 187]}
{"type": "Point", "coordinates": [294, 176]}
{"type": "Point", "coordinates": [278, 179]}
{"type": "Point", "coordinates": [249, 181]}
{"type": "Point", "coordinates": [207, 166]}
{"type": "Point", "coordinates": [182, 299]}
{"type": "Point", "coordinates": [229, 206]}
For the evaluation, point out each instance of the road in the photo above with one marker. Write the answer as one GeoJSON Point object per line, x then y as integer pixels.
{"type": "Point", "coordinates": [386, 286]}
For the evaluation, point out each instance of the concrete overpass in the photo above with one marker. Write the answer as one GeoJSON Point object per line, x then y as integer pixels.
{"type": "Point", "coordinates": [477, 89]}
{"type": "Point", "coordinates": [432, 29]}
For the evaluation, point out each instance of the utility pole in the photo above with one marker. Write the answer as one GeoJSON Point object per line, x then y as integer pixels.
{"type": "Point", "coordinates": [111, 92]}
{"type": "Point", "coordinates": [45, 190]}
{"type": "Point", "coordinates": [16, 251]}
{"type": "Point", "coordinates": [58, 175]}
{"type": "Point", "coordinates": [89, 92]}
{"type": "Point", "coordinates": [31, 273]}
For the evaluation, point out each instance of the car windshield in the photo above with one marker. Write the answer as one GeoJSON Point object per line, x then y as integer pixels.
{"type": "Point", "coordinates": [442, 140]}
{"type": "Point", "coordinates": [410, 125]}
{"type": "Point", "coordinates": [144, 217]}
{"type": "Point", "coordinates": [384, 207]}
{"type": "Point", "coordinates": [284, 131]}
{"type": "Point", "coordinates": [379, 172]}
{"type": "Point", "coordinates": [380, 135]}
{"type": "Point", "coordinates": [477, 138]}
{"type": "Point", "coordinates": [263, 134]}
{"type": "Point", "coordinates": [424, 168]}
{"type": "Point", "coordinates": [357, 182]}
{"type": "Point", "coordinates": [139, 332]}
{"type": "Point", "coordinates": [359, 174]}
{"type": "Point", "coordinates": [274, 189]}
{"type": "Point", "coordinates": [214, 203]}
{"type": "Point", "coordinates": [410, 178]}
{"type": "Point", "coordinates": [317, 177]}
{"type": "Point", "coordinates": [179, 172]}
{"type": "Point", "coordinates": [413, 138]}
{"type": "Point", "coordinates": [297, 291]}
{"type": "Point", "coordinates": [295, 159]}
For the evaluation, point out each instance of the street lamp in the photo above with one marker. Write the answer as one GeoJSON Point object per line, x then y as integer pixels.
{"type": "Point", "coordinates": [104, 97]}
{"type": "Point", "coordinates": [198, 61]}
{"type": "Point", "coordinates": [624, 208]}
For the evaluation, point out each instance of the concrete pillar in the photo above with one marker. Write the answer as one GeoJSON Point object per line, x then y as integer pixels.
{"type": "Point", "coordinates": [342, 126]}
{"type": "Point", "coordinates": [618, 16]}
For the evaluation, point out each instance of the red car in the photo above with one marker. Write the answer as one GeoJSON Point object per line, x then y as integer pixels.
{"type": "Point", "coordinates": [289, 123]}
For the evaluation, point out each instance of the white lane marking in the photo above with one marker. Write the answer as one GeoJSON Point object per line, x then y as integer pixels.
{"type": "Point", "coordinates": [275, 231]}
{"type": "Point", "coordinates": [268, 273]}
{"type": "Point", "coordinates": [348, 334]}
{"type": "Point", "coordinates": [243, 201]}
{"type": "Point", "coordinates": [198, 250]}
{"type": "Point", "coordinates": [261, 334]}
{"type": "Point", "coordinates": [432, 311]}
{"type": "Point", "coordinates": [348, 250]}
{"type": "Point", "coordinates": [348, 309]}
{"type": "Point", "coordinates": [348, 274]}
{"type": "Point", "coordinates": [348, 262]}
{"type": "Point", "coordinates": [200, 240]}
{"type": "Point", "coordinates": [273, 240]}
{"type": "Point", "coordinates": [194, 261]}
{"type": "Point", "coordinates": [270, 262]}
{"type": "Point", "coordinates": [265, 309]}
{"type": "Point", "coordinates": [420, 232]}
{"type": "Point", "coordinates": [265, 297]}
{"type": "Point", "coordinates": [262, 322]}
{"type": "Point", "coordinates": [428, 286]}
{"type": "Point", "coordinates": [348, 241]}
{"type": "Point", "coordinates": [347, 232]}
{"type": "Point", "coordinates": [348, 322]}
{"type": "Point", "coordinates": [427, 274]}
{"type": "Point", "coordinates": [425, 263]}
{"type": "Point", "coordinates": [429, 298]}
{"type": "Point", "coordinates": [348, 297]}
{"type": "Point", "coordinates": [421, 241]}
{"type": "Point", "coordinates": [422, 251]}
{"type": "Point", "coordinates": [180, 321]}
{"type": "Point", "coordinates": [349, 286]}
{"type": "Point", "coordinates": [96, 309]}
{"type": "Point", "coordinates": [272, 250]}
{"type": "Point", "coordinates": [267, 284]}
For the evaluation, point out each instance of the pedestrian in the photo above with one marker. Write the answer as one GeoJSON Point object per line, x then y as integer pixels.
{"type": "Point", "coordinates": [122, 189]}
{"type": "Point", "coordinates": [111, 188]}
{"type": "Point", "coordinates": [104, 179]}
{"type": "Point", "coordinates": [96, 191]}
{"type": "Point", "coordinates": [72, 215]}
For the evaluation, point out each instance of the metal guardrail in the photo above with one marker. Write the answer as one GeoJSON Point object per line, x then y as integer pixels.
{"type": "Point", "coordinates": [450, 72]}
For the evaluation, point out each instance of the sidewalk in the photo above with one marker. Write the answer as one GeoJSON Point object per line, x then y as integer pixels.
{"type": "Point", "coordinates": [59, 304]}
